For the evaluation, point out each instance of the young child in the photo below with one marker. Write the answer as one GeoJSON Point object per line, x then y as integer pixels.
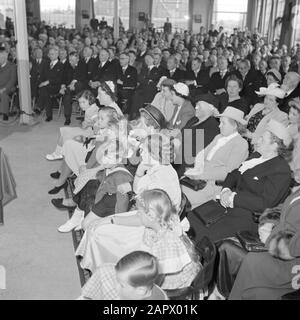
{"type": "Point", "coordinates": [87, 103]}
{"type": "Point", "coordinates": [132, 278]}
{"type": "Point", "coordinates": [105, 165]}
{"type": "Point", "coordinates": [154, 228]}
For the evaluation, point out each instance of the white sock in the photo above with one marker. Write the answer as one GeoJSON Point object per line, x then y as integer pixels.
{"type": "Point", "coordinates": [58, 150]}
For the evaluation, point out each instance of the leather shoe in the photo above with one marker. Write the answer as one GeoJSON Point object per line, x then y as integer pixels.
{"type": "Point", "coordinates": [58, 203]}
{"type": "Point", "coordinates": [55, 175]}
{"type": "Point", "coordinates": [48, 119]}
{"type": "Point", "coordinates": [56, 190]}
{"type": "Point", "coordinates": [37, 111]}
{"type": "Point", "coordinates": [67, 122]}
{"type": "Point", "coordinates": [5, 117]}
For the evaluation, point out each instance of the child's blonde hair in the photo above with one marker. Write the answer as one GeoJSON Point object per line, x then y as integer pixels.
{"type": "Point", "coordinates": [160, 203]}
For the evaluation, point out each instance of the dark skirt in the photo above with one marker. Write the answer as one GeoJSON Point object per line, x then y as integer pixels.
{"type": "Point", "coordinates": [85, 199]}
{"type": "Point", "coordinates": [106, 206]}
{"type": "Point", "coordinates": [237, 220]}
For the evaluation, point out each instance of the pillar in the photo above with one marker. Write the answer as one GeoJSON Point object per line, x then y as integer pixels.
{"type": "Point", "coordinates": [201, 13]}
{"type": "Point", "coordinates": [33, 10]}
{"type": "Point", "coordinates": [252, 14]}
{"type": "Point", "coordinates": [84, 12]}
{"type": "Point", "coordinates": [23, 61]}
{"type": "Point", "coordinates": [116, 20]}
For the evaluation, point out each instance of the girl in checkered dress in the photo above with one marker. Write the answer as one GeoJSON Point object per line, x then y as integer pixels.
{"type": "Point", "coordinates": [154, 228]}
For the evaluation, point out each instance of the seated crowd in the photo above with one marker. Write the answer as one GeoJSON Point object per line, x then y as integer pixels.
{"type": "Point", "coordinates": [182, 138]}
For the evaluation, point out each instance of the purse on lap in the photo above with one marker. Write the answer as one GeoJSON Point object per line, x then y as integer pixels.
{"type": "Point", "coordinates": [195, 185]}
{"type": "Point", "coordinates": [210, 213]}
{"type": "Point", "coordinates": [250, 241]}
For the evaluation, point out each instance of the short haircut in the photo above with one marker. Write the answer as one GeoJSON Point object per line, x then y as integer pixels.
{"type": "Point", "coordinates": [143, 267]}
{"type": "Point", "coordinates": [74, 54]}
{"type": "Point", "coordinates": [233, 77]}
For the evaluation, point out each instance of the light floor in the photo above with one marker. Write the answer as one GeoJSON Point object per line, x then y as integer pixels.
{"type": "Point", "coordinates": [40, 262]}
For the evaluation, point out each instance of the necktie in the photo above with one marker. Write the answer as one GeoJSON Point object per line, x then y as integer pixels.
{"type": "Point", "coordinates": [51, 65]}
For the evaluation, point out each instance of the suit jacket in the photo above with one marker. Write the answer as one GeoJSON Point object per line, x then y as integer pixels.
{"type": "Point", "coordinates": [91, 66]}
{"type": "Point", "coordinates": [36, 71]}
{"type": "Point", "coordinates": [178, 76]}
{"type": "Point", "coordinates": [202, 78]}
{"type": "Point", "coordinates": [8, 77]}
{"type": "Point", "coordinates": [264, 186]}
{"type": "Point", "coordinates": [54, 76]}
{"type": "Point", "coordinates": [251, 83]}
{"type": "Point", "coordinates": [228, 158]}
{"type": "Point", "coordinates": [129, 78]}
{"type": "Point", "coordinates": [78, 73]}
{"type": "Point", "coordinates": [104, 73]}
{"type": "Point", "coordinates": [284, 105]}
{"type": "Point", "coordinates": [216, 82]}
{"type": "Point", "coordinates": [186, 113]}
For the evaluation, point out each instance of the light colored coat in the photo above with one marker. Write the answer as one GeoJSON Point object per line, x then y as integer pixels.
{"type": "Point", "coordinates": [228, 158]}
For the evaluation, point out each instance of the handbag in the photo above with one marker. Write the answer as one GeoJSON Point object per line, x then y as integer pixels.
{"type": "Point", "coordinates": [250, 241]}
{"type": "Point", "coordinates": [195, 185]}
{"type": "Point", "coordinates": [210, 213]}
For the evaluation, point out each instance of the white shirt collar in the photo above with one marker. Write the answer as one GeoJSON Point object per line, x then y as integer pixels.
{"type": "Point", "coordinates": [4, 65]}
{"type": "Point", "coordinates": [53, 63]}
{"type": "Point", "coordinates": [173, 71]}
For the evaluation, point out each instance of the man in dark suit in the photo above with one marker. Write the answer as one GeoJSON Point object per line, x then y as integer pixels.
{"type": "Point", "coordinates": [39, 64]}
{"type": "Point", "coordinates": [76, 82]}
{"type": "Point", "coordinates": [63, 58]}
{"type": "Point", "coordinates": [126, 82]}
{"type": "Point", "coordinates": [104, 72]}
{"type": "Point", "coordinates": [197, 79]}
{"type": "Point", "coordinates": [168, 27]}
{"type": "Point", "coordinates": [173, 72]}
{"type": "Point", "coordinates": [217, 81]}
{"type": "Point", "coordinates": [8, 80]}
{"type": "Point", "coordinates": [49, 84]}
{"type": "Point", "coordinates": [91, 64]}
{"type": "Point", "coordinates": [290, 85]}
{"type": "Point", "coordinates": [147, 86]}
{"type": "Point", "coordinates": [251, 82]}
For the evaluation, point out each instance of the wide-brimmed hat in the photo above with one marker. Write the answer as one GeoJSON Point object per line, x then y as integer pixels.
{"type": "Point", "coordinates": [275, 74]}
{"type": "Point", "coordinates": [182, 90]}
{"type": "Point", "coordinates": [280, 131]}
{"type": "Point", "coordinates": [161, 148]}
{"type": "Point", "coordinates": [234, 114]}
{"type": "Point", "coordinates": [272, 90]}
{"type": "Point", "coordinates": [155, 114]}
{"type": "Point", "coordinates": [295, 103]}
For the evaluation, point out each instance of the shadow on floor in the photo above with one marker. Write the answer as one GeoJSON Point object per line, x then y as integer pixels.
{"type": "Point", "coordinates": [8, 129]}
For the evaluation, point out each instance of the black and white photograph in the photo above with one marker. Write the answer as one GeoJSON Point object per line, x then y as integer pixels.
{"type": "Point", "coordinates": [149, 154]}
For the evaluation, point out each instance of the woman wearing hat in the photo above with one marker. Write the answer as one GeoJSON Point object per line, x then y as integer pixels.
{"type": "Point", "coordinates": [162, 100]}
{"type": "Point", "coordinates": [262, 113]}
{"type": "Point", "coordinates": [107, 96]}
{"type": "Point", "coordinates": [184, 110]}
{"type": "Point", "coordinates": [260, 183]}
{"type": "Point", "coordinates": [273, 76]}
{"type": "Point", "coordinates": [226, 153]}
{"type": "Point", "coordinates": [203, 125]}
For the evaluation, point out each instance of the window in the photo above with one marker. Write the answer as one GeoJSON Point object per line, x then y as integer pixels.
{"type": "Point", "coordinates": [58, 12]}
{"type": "Point", "coordinates": [6, 11]}
{"type": "Point", "coordinates": [230, 14]}
{"type": "Point", "coordinates": [105, 8]}
{"type": "Point", "coordinates": [176, 10]}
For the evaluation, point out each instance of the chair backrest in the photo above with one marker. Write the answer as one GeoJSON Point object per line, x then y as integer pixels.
{"type": "Point", "coordinates": [185, 207]}
{"type": "Point", "coordinates": [207, 252]}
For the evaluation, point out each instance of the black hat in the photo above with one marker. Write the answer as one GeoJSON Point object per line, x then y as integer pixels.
{"type": "Point", "coordinates": [155, 114]}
